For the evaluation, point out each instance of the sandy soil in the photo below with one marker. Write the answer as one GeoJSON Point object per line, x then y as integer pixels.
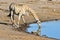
{"type": "Point", "coordinates": [8, 33]}
{"type": "Point", "coordinates": [48, 10]}
{"type": "Point", "coordinates": [45, 11]}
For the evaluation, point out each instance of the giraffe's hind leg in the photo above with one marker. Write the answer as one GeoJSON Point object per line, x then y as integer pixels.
{"type": "Point", "coordinates": [12, 18]}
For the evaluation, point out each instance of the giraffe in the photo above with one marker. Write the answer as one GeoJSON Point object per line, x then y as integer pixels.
{"type": "Point", "coordinates": [21, 9]}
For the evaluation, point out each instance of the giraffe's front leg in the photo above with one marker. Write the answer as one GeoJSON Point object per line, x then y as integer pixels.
{"type": "Point", "coordinates": [20, 15]}
{"type": "Point", "coordinates": [23, 19]}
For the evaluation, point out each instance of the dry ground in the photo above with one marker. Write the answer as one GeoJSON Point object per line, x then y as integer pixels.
{"type": "Point", "coordinates": [7, 32]}
{"type": "Point", "coordinates": [45, 11]}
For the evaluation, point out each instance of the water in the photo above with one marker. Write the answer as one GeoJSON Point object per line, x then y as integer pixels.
{"type": "Point", "coordinates": [50, 28]}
